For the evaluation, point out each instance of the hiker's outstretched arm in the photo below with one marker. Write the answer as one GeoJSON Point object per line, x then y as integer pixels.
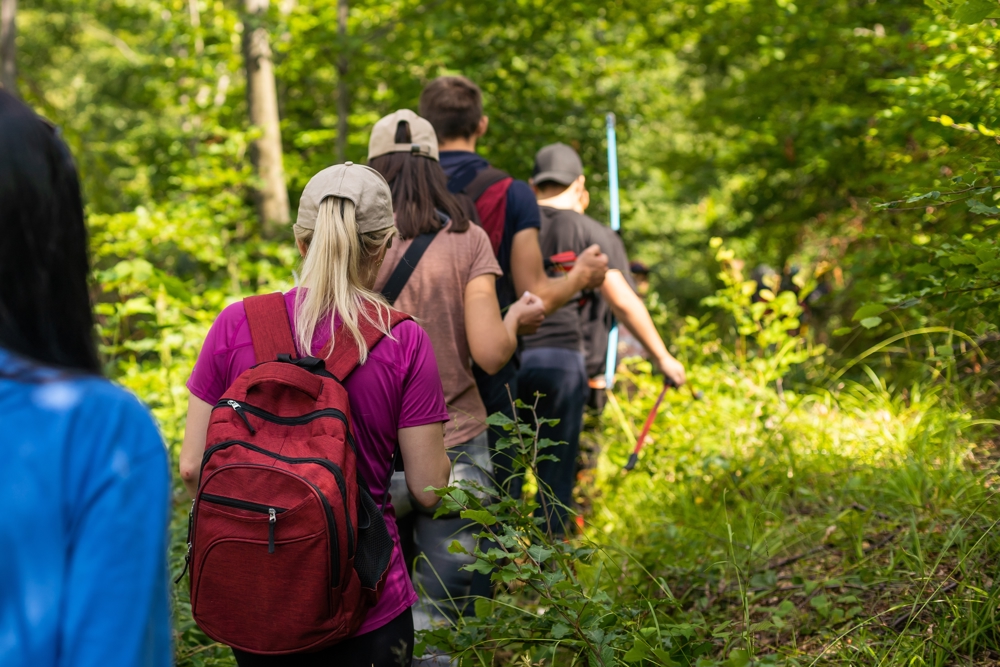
{"type": "Point", "coordinates": [492, 339]}
{"type": "Point", "coordinates": [424, 460]}
{"type": "Point", "coordinates": [195, 434]}
{"type": "Point", "coordinates": [631, 311]}
{"type": "Point", "coordinates": [528, 271]}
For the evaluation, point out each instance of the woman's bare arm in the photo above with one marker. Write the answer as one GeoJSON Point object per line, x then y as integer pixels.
{"type": "Point", "coordinates": [424, 460]}
{"type": "Point", "coordinates": [195, 433]}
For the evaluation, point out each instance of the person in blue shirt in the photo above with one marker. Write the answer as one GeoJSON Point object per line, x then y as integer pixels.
{"type": "Point", "coordinates": [84, 485]}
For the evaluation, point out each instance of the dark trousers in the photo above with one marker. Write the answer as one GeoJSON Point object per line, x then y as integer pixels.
{"type": "Point", "coordinates": [560, 376]}
{"type": "Point", "coordinates": [388, 646]}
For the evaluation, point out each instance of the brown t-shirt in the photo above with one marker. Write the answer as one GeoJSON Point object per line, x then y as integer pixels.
{"type": "Point", "coordinates": [435, 296]}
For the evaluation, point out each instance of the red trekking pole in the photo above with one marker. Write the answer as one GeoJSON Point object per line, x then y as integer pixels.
{"type": "Point", "coordinates": [634, 457]}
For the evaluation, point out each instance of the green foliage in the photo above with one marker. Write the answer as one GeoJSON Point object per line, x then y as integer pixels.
{"type": "Point", "coordinates": [848, 526]}
{"type": "Point", "coordinates": [809, 509]}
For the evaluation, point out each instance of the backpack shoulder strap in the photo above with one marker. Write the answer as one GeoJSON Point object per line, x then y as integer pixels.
{"type": "Point", "coordinates": [345, 349]}
{"type": "Point", "coordinates": [407, 263]}
{"type": "Point", "coordinates": [270, 330]}
{"type": "Point", "coordinates": [483, 180]}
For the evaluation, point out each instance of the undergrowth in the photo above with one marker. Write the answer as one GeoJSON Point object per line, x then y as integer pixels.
{"type": "Point", "coordinates": [791, 516]}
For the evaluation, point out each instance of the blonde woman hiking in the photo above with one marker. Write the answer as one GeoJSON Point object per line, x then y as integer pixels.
{"type": "Point", "coordinates": [343, 231]}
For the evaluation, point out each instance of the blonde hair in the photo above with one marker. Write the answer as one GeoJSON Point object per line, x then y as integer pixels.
{"type": "Point", "coordinates": [338, 264]}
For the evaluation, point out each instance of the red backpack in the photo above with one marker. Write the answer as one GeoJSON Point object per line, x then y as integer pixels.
{"type": "Point", "coordinates": [288, 549]}
{"type": "Point", "coordinates": [488, 192]}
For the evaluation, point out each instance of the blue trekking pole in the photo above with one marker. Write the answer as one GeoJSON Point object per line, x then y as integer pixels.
{"type": "Point", "coordinates": [612, 360]}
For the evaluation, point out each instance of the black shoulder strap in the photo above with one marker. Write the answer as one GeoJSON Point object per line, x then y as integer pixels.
{"type": "Point", "coordinates": [483, 180]}
{"type": "Point", "coordinates": [401, 274]}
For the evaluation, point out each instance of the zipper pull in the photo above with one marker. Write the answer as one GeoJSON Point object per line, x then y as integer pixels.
{"type": "Point", "coordinates": [243, 415]}
{"type": "Point", "coordinates": [272, 518]}
{"type": "Point", "coordinates": [187, 562]}
{"type": "Point", "coordinates": [187, 556]}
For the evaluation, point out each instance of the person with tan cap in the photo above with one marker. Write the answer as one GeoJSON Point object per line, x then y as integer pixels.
{"type": "Point", "coordinates": [343, 231]}
{"type": "Point", "coordinates": [444, 272]}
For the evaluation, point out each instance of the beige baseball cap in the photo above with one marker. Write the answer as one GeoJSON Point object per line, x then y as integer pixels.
{"type": "Point", "coordinates": [423, 140]}
{"type": "Point", "coordinates": [362, 185]}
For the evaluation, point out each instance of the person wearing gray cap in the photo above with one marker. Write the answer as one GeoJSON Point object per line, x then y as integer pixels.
{"type": "Point", "coordinates": [553, 362]}
{"type": "Point", "coordinates": [343, 230]}
{"type": "Point", "coordinates": [451, 289]}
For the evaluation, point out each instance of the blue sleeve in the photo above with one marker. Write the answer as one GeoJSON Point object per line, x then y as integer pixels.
{"type": "Point", "coordinates": [116, 609]}
{"type": "Point", "coordinates": [522, 208]}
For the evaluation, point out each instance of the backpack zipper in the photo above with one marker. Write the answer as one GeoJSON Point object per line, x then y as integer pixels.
{"type": "Point", "coordinates": [271, 512]}
{"type": "Point", "coordinates": [242, 414]}
{"type": "Point", "coordinates": [334, 469]}
{"type": "Point", "coordinates": [243, 408]}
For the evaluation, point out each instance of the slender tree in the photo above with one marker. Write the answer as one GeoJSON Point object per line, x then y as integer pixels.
{"type": "Point", "coordinates": [343, 94]}
{"type": "Point", "coordinates": [262, 96]}
{"type": "Point", "coordinates": [8, 31]}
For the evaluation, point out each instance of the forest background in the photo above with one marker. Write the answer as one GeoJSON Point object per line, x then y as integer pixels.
{"type": "Point", "coordinates": [831, 499]}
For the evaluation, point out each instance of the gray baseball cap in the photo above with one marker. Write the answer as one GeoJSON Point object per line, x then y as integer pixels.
{"type": "Point", "coordinates": [558, 163]}
{"type": "Point", "coordinates": [423, 140]}
{"type": "Point", "coordinates": [362, 185]}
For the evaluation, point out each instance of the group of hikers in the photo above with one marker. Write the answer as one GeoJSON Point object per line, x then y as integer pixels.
{"type": "Point", "coordinates": [434, 290]}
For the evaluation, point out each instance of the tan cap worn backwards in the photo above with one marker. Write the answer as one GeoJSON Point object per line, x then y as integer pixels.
{"type": "Point", "coordinates": [423, 140]}
{"type": "Point", "coordinates": [362, 185]}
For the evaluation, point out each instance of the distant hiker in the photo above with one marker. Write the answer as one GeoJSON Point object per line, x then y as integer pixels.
{"type": "Point", "coordinates": [443, 272]}
{"type": "Point", "coordinates": [344, 229]}
{"type": "Point", "coordinates": [553, 360]}
{"type": "Point", "coordinates": [84, 483]}
{"type": "Point", "coordinates": [508, 213]}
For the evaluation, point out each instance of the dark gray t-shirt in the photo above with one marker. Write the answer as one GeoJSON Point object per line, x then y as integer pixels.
{"type": "Point", "coordinates": [568, 230]}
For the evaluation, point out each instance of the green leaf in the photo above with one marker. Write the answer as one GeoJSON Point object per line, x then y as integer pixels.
{"type": "Point", "coordinates": [540, 553]}
{"type": "Point", "coordinates": [560, 630]}
{"type": "Point", "coordinates": [456, 548]}
{"type": "Point", "coordinates": [979, 208]}
{"type": "Point", "coordinates": [964, 259]}
{"type": "Point", "coordinates": [499, 419]}
{"type": "Point", "coordinates": [479, 516]}
{"type": "Point", "coordinates": [990, 266]}
{"type": "Point", "coordinates": [480, 566]}
{"type": "Point", "coordinates": [944, 351]}
{"type": "Point", "coordinates": [842, 330]}
{"type": "Point", "coordinates": [484, 608]}
{"type": "Point", "coordinates": [934, 194]}
{"type": "Point", "coordinates": [738, 658]}
{"type": "Point", "coordinates": [871, 322]}
{"type": "Point", "coordinates": [869, 310]}
{"type": "Point", "coordinates": [922, 269]}
{"type": "Point", "coordinates": [974, 11]}
{"type": "Point", "coordinates": [638, 651]}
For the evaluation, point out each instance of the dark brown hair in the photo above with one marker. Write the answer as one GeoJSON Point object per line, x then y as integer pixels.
{"type": "Point", "coordinates": [419, 189]}
{"type": "Point", "coordinates": [45, 311]}
{"type": "Point", "coordinates": [453, 105]}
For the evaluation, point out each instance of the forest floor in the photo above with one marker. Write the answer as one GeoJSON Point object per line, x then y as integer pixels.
{"type": "Point", "coordinates": [852, 526]}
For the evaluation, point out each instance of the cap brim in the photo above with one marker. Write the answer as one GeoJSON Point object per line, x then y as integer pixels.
{"type": "Point", "coordinates": [560, 177]}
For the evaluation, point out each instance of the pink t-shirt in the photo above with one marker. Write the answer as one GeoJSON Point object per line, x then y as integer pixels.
{"type": "Point", "coordinates": [398, 387]}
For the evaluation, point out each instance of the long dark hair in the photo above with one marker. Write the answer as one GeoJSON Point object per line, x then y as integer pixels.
{"type": "Point", "coordinates": [419, 189]}
{"type": "Point", "coordinates": [45, 309]}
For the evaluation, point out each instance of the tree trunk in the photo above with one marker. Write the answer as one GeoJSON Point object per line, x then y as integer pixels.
{"type": "Point", "coordinates": [8, 31]}
{"type": "Point", "coordinates": [262, 96]}
{"type": "Point", "coordinates": [343, 94]}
